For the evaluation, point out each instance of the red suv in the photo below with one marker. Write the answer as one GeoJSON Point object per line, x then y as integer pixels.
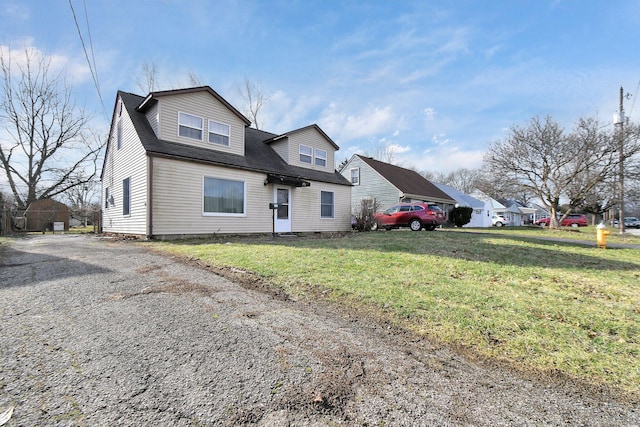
{"type": "Point", "coordinates": [416, 216]}
{"type": "Point", "coordinates": [572, 220]}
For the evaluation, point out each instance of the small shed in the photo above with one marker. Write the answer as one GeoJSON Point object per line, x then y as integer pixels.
{"type": "Point", "coordinates": [42, 214]}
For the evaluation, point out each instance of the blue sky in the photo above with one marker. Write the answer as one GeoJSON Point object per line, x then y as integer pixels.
{"type": "Point", "coordinates": [433, 81]}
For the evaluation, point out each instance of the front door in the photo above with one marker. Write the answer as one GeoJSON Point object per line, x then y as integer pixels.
{"type": "Point", "coordinates": [282, 196]}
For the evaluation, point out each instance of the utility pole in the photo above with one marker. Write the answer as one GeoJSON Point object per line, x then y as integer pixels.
{"type": "Point", "coordinates": [619, 121]}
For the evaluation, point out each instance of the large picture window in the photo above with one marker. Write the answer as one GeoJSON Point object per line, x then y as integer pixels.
{"type": "Point", "coordinates": [126, 196]}
{"type": "Point", "coordinates": [190, 126]}
{"type": "Point", "coordinates": [306, 154]}
{"type": "Point", "coordinates": [223, 197]}
{"type": "Point", "coordinates": [218, 133]}
{"type": "Point", "coordinates": [326, 204]}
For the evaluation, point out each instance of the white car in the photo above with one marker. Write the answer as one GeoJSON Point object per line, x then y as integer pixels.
{"type": "Point", "coordinates": [499, 221]}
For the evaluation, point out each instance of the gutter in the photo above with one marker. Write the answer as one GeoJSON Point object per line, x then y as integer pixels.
{"type": "Point", "coordinates": [150, 197]}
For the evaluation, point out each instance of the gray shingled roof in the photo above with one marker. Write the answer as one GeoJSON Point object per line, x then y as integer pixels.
{"type": "Point", "coordinates": [406, 180]}
{"type": "Point", "coordinates": [258, 156]}
{"type": "Point", "coordinates": [460, 197]}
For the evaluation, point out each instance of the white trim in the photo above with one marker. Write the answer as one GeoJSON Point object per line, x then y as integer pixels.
{"type": "Point", "coordinates": [282, 225]}
{"type": "Point", "coordinates": [209, 132]}
{"type": "Point", "coordinates": [351, 176]}
{"type": "Point", "coordinates": [119, 134]}
{"type": "Point", "coordinates": [333, 205]}
{"type": "Point", "coordinates": [244, 199]}
{"type": "Point", "coordinates": [317, 157]}
{"type": "Point", "coordinates": [126, 215]}
{"type": "Point", "coordinates": [201, 129]}
{"type": "Point", "coordinates": [310, 155]}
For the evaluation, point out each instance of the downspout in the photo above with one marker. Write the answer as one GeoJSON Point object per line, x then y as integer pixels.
{"type": "Point", "coordinates": [150, 198]}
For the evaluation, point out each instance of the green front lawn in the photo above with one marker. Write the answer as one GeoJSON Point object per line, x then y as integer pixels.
{"type": "Point", "coordinates": [539, 305]}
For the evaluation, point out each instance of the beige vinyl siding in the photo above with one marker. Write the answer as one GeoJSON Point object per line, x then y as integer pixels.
{"type": "Point", "coordinates": [130, 161]}
{"type": "Point", "coordinates": [306, 208]}
{"type": "Point", "coordinates": [203, 105]}
{"type": "Point", "coordinates": [281, 147]}
{"type": "Point", "coordinates": [152, 117]}
{"type": "Point", "coordinates": [372, 186]}
{"type": "Point", "coordinates": [311, 138]}
{"type": "Point", "coordinates": [178, 200]}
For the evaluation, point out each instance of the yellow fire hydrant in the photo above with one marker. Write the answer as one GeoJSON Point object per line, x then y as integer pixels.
{"type": "Point", "coordinates": [601, 235]}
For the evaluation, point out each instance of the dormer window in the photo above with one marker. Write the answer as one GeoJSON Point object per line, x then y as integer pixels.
{"type": "Point", "coordinates": [219, 133]}
{"type": "Point", "coordinates": [306, 154]}
{"type": "Point", "coordinates": [321, 157]}
{"type": "Point", "coordinates": [190, 126]}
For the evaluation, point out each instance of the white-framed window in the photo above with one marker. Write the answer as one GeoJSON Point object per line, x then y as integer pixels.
{"type": "Point", "coordinates": [355, 176]}
{"type": "Point", "coordinates": [190, 126]}
{"type": "Point", "coordinates": [219, 133]}
{"type": "Point", "coordinates": [306, 154]}
{"type": "Point", "coordinates": [106, 198]}
{"type": "Point", "coordinates": [326, 204]}
{"type": "Point", "coordinates": [119, 134]}
{"type": "Point", "coordinates": [223, 197]}
{"type": "Point", "coordinates": [126, 196]}
{"type": "Point", "coordinates": [320, 157]}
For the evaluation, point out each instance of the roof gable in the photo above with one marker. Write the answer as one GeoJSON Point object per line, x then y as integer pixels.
{"type": "Point", "coordinates": [313, 126]}
{"type": "Point", "coordinates": [258, 156]}
{"type": "Point", "coordinates": [153, 97]}
{"type": "Point", "coordinates": [406, 180]}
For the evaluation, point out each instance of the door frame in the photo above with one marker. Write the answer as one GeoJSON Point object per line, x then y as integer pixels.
{"type": "Point", "coordinates": [282, 225]}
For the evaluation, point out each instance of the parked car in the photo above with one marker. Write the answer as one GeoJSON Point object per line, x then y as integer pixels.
{"type": "Point", "coordinates": [416, 216]}
{"type": "Point", "coordinates": [499, 221]}
{"type": "Point", "coordinates": [572, 220]}
{"type": "Point", "coordinates": [629, 222]}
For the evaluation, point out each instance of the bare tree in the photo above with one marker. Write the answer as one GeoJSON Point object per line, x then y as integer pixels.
{"type": "Point", "coordinates": [148, 81]}
{"type": "Point", "coordinates": [194, 79]}
{"type": "Point", "coordinates": [462, 179]}
{"type": "Point", "coordinates": [47, 149]}
{"type": "Point", "coordinates": [81, 200]}
{"type": "Point", "coordinates": [555, 166]}
{"type": "Point", "coordinates": [500, 186]}
{"type": "Point", "coordinates": [254, 99]}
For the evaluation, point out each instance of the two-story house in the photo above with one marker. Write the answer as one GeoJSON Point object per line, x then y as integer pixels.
{"type": "Point", "coordinates": [185, 162]}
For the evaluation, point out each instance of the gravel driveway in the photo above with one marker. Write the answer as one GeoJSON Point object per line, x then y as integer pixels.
{"type": "Point", "coordinates": [102, 333]}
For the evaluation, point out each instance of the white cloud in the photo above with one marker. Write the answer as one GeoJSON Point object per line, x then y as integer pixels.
{"type": "Point", "coordinates": [429, 113]}
{"type": "Point", "coordinates": [440, 140]}
{"type": "Point", "coordinates": [283, 113]}
{"type": "Point", "coordinates": [76, 70]}
{"type": "Point", "coordinates": [396, 148]}
{"type": "Point", "coordinates": [348, 126]}
{"type": "Point", "coordinates": [444, 159]}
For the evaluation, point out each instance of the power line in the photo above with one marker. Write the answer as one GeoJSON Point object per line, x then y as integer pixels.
{"type": "Point", "coordinates": [93, 57]}
{"type": "Point", "coordinates": [86, 55]}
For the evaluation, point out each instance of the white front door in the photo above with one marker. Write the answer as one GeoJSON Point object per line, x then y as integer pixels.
{"type": "Point", "coordinates": [282, 196]}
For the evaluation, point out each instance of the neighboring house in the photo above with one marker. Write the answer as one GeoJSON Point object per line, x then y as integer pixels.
{"type": "Point", "coordinates": [185, 162]}
{"type": "Point", "coordinates": [42, 214]}
{"type": "Point", "coordinates": [389, 184]}
{"type": "Point", "coordinates": [518, 213]}
{"type": "Point", "coordinates": [491, 207]}
{"type": "Point", "coordinates": [539, 212]}
{"type": "Point", "coordinates": [478, 206]}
